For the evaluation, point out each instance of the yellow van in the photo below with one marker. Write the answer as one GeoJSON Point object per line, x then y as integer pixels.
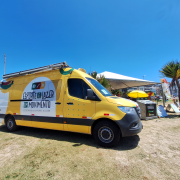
{"type": "Point", "coordinates": [62, 98]}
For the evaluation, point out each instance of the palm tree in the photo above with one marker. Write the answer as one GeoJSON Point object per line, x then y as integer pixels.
{"type": "Point", "coordinates": [102, 80]}
{"type": "Point", "coordinates": [172, 70]}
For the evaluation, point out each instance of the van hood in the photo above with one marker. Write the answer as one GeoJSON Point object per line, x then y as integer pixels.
{"type": "Point", "coordinates": [121, 101]}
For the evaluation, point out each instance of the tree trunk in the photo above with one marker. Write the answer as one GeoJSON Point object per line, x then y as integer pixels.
{"type": "Point", "coordinates": [178, 85]}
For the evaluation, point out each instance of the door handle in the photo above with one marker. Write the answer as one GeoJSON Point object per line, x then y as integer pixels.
{"type": "Point", "coordinates": [70, 103]}
{"type": "Point", "coordinates": [58, 103]}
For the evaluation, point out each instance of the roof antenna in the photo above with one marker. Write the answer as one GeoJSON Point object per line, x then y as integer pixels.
{"type": "Point", "coordinates": [4, 62]}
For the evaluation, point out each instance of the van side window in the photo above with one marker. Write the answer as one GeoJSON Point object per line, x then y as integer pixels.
{"type": "Point", "coordinates": [77, 88]}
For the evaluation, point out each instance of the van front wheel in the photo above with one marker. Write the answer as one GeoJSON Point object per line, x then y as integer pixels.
{"type": "Point", "coordinates": [106, 133]}
{"type": "Point", "coordinates": [11, 124]}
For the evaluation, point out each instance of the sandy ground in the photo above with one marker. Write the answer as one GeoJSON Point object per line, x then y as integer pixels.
{"type": "Point", "coordinates": [32, 153]}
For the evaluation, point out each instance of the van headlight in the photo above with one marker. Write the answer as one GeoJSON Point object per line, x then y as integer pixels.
{"type": "Point", "coordinates": [127, 110]}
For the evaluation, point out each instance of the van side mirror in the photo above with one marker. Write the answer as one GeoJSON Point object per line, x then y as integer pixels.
{"type": "Point", "coordinates": [90, 95]}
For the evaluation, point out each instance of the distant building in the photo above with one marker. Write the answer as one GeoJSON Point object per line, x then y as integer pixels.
{"type": "Point", "coordinates": [157, 89]}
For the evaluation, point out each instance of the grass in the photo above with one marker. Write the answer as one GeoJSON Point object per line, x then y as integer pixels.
{"type": "Point", "coordinates": [32, 153]}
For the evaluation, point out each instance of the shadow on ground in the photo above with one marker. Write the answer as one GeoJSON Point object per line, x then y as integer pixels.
{"type": "Point", "coordinates": [126, 143]}
{"type": "Point", "coordinates": [172, 115]}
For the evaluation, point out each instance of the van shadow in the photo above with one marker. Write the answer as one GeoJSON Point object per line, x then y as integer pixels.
{"type": "Point", "coordinates": [126, 143]}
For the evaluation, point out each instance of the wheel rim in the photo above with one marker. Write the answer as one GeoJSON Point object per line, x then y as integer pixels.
{"type": "Point", "coordinates": [105, 134]}
{"type": "Point", "coordinates": [10, 124]}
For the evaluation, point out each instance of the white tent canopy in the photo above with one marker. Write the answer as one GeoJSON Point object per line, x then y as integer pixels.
{"type": "Point", "coordinates": [119, 81]}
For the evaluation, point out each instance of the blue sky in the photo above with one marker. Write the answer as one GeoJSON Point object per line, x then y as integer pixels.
{"type": "Point", "coordinates": [132, 38]}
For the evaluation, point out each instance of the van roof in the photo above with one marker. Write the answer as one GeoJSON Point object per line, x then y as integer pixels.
{"type": "Point", "coordinates": [83, 73]}
{"type": "Point", "coordinates": [39, 69]}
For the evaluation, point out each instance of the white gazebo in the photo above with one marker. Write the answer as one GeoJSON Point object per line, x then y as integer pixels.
{"type": "Point", "coordinates": [119, 81]}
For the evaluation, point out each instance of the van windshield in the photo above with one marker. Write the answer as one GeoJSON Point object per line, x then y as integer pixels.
{"type": "Point", "coordinates": [99, 87]}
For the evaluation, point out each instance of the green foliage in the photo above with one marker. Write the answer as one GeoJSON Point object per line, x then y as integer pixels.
{"type": "Point", "coordinates": [115, 91]}
{"type": "Point", "coordinates": [94, 75]}
{"type": "Point", "coordinates": [102, 80]}
{"type": "Point", "coordinates": [172, 70]}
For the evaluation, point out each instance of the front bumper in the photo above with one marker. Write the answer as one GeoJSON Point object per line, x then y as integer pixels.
{"type": "Point", "coordinates": [130, 125]}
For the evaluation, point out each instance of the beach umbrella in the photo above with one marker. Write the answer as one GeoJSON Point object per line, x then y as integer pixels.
{"type": "Point", "coordinates": [137, 94]}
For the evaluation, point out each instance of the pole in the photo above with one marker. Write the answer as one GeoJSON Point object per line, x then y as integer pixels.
{"type": "Point", "coordinates": [143, 79]}
{"type": "Point", "coordinates": [4, 63]}
{"type": "Point", "coordinates": [164, 97]}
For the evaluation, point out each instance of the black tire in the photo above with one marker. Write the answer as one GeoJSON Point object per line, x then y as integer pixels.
{"type": "Point", "coordinates": [11, 124]}
{"type": "Point", "coordinates": [106, 133]}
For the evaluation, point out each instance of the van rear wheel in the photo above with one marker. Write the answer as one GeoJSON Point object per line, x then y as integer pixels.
{"type": "Point", "coordinates": [11, 124]}
{"type": "Point", "coordinates": [106, 133]}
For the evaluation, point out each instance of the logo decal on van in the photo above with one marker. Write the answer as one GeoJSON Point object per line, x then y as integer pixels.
{"type": "Point", "coordinates": [38, 85]}
{"type": "Point", "coordinates": [6, 85]}
{"type": "Point", "coordinates": [66, 72]}
{"type": "Point", "coordinates": [39, 98]}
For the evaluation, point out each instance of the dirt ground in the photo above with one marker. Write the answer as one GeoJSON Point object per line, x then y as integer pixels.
{"type": "Point", "coordinates": [31, 153]}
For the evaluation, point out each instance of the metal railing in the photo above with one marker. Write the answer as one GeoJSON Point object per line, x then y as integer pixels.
{"type": "Point", "coordinates": [30, 71]}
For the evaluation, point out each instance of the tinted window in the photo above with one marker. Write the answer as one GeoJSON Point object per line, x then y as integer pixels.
{"type": "Point", "coordinates": [99, 87]}
{"type": "Point", "coordinates": [77, 88]}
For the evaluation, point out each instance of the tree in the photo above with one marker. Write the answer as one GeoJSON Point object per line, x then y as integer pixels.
{"type": "Point", "coordinates": [115, 91]}
{"type": "Point", "coordinates": [172, 70]}
{"type": "Point", "coordinates": [102, 80]}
